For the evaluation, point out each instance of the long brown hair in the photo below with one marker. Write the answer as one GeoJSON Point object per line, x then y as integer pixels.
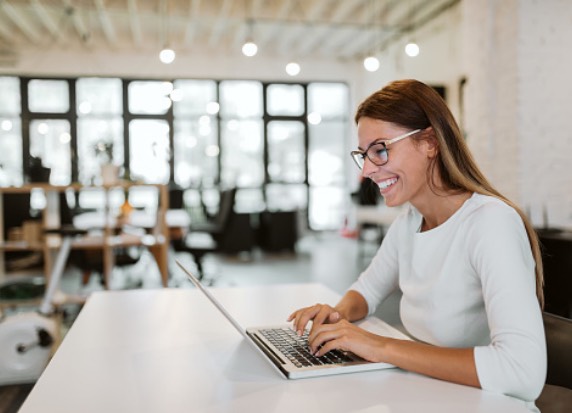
{"type": "Point", "coordinates": [414, 105]}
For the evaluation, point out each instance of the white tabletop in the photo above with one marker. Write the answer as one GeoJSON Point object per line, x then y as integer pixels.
{"type": "Point", "coordinates": [171, 351]}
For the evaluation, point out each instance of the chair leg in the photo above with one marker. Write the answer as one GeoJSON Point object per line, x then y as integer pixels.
{"type": "Point", "coordinates": [85, 276]}
{"type": "Point", "coordinates": [199, 261]}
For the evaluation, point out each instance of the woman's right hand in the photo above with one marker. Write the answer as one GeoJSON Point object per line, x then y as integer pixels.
{"type": "Point", "coordinates": [319, 314]}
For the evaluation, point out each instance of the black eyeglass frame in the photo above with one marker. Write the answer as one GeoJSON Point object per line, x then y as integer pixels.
{"type": "Point", "coordinates": [359, 156]}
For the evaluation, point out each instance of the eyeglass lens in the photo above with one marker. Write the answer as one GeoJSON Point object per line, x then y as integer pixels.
{"type": "Point", "coordinates": [377, 154]}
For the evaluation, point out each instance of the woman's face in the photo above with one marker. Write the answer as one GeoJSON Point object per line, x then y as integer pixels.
{"type": "Point", "coordinates": [404, 177]}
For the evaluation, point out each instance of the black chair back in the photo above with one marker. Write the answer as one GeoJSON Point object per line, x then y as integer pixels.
{"type": "Point", "coordinates": [559, 348]}
{"type": "Point", "coordinates": [16, 210]}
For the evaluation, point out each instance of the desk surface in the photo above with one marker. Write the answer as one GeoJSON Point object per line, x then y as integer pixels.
{"type": "Point", "coordinates": [171, 351]}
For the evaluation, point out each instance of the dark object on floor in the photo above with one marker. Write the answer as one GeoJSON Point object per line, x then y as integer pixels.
{"type": "Point", "coordinates": [278, 231]}
{"type": "Point", "coordinates": [211, 236]}
{"type": "Point", "coordinates": [22, 288]}
{"type": "Point", "coordinates": [12, 397]}
{"type": "Point", "coordinates": [557, 260]}
{"type": "Point", "coordinates": [556, 397]}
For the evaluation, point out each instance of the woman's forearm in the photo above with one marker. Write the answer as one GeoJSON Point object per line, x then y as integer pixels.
{"type": "Point", "coordinates": [451, 364]}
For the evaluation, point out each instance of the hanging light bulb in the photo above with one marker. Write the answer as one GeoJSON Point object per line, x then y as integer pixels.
{"type": "Point", "coordinates": [412, 49]}
{"type": "Point", "coordinates": [167, 56]}
{"type": "Point", "coordinates": [292, 68]}
{"type": "Point", "coordinates": [371, 63]}
{"type": "Point", "coordinates": [249, 48]}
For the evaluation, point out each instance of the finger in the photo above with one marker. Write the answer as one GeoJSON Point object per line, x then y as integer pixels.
{"type": "Point", "coordinates": [321, 317]}
{"type": "Point", "coordinates": [334, 317]}
{"type": "Point", "coordinates": [322, 314]}
{"type": "Point", "coordinates": [292, 316]}
{"type": "Point", "coordinates": [322, 335]}
{"type": "Point", "coordinates": [303, 317]}
{"type": "Point", "coordinates": [327, 347]}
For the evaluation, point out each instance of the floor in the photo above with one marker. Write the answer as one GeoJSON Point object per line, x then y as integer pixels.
{"type": "Point", "coordinates": [326, 258]}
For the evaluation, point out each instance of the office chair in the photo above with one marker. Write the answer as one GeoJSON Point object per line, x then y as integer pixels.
{"type": "Point", "coordinates": [556, 396]}
{"type": "Point", "coordinates": [16, 210]}
{"type": "Point", "coordinates": [205, 237]}
{"type": "Point", "coordinates": [557, 262]}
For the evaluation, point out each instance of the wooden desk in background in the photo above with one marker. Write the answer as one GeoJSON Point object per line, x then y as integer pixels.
{"type": "Point", "coordinates": [156, 239]}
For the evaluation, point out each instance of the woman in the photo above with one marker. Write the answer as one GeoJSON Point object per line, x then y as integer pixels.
{"type": "Point", "coordinates": [465, 258]}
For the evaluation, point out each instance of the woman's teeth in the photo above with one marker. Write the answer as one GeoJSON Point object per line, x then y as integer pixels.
{"type": "Point", "coordinates": [386, 183]}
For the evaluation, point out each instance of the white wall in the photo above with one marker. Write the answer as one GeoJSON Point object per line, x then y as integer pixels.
{"type": "Point", "coordinates": [519, 101]}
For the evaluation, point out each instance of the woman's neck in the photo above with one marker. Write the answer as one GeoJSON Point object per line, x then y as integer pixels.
{"type": "Point", "coordinates": [440, 207]}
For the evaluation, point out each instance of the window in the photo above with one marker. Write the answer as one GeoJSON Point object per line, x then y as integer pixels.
{"type": "Point", "coordinates": [149, 97]}
{"type": "Point", "coordinates": [196, 147]}
{"type": "Point", "coordinates": [286, 152]}
{"type": "Point", "coordinates": [149, 146]}
{"type": "Point", "coordinates": [11, 172]}
{"type": "Point", "coordinates": [282, 144]}
{"type": "Point", "coordinates": [242, 153]}
{"type": "Point", "coordinates": [48, 96]}
{"type": "Point", "coordinates": [285, 100]}
{"type": "Point", "coordinates": [328, 111]}
{"type": "Point", "coordinates": [50, 141]}
{"type": "Point", "coordinates": [242, 132]}
{"type": "Point", "coordinates": [196, 152]}
{"type": "Point", "coordinates": [99, 107]}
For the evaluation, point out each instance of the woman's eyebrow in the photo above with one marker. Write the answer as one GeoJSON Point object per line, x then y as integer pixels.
{"type": "Point", "coordinates": [378, 140]}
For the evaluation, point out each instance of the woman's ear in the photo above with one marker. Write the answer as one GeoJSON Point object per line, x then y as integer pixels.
{"type": "Point", "coordinates": [431, 141]}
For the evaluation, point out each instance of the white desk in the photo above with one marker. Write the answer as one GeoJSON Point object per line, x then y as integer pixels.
{"type": "Point", "coordinates": [171, 351]}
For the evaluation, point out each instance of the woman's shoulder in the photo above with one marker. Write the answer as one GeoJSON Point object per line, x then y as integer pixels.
{"type": "Point", "coordinates": [489, 209]}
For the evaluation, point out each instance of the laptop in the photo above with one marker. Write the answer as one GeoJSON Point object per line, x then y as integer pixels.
{"type": "Point", "coordinates": [289, 353]}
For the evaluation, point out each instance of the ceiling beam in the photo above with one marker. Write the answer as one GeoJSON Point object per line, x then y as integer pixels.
{"type": "Point", "coordinates": [221, 23]}
{"type": "Point", "coordinates": [20, 22]}
{"type": "Point", "coordinates": [266, 37]}
{"type": "Point", "coordinates": [135, 22]}
{"type": "Point", "coordinates": [340, 38]}
{"type": "Point", "coordinates": [414, 24]}
{"type": "Point", "coordinates": [242, 30]}
{"type": "Point", "coordinates": [6, 33]}
{"type": "Point", "coordinates": [46, 19]}
{"type": "Point", "coordinates": [343, 9]}
{"type": "Point", "coordinates": [77, 21]}
{"type": "Point", "coordinates": [105, 22]}
{"type": "Point", "coordinates": [191, 28]}
{"type": "Point", "coordinates": [316, 10]}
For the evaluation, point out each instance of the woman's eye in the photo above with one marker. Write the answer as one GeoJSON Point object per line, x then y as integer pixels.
{"type": "Point", "coordinates": [379, 152]}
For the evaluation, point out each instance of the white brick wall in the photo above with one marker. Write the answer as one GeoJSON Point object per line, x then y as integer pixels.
{"type": "Point", "coordinates": [545, 108]}
{"type": "Point", "coordinates": [519, 100]}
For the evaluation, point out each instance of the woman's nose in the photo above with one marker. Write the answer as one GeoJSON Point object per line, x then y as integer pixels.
{"type": "Point", "coordinates": [368, 167]}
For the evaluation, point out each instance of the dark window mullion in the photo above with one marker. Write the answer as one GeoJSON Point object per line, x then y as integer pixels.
{"type": "Point", "coordinates": [25, 126]}
{"type": "Point", "coordinates": [73, 119]}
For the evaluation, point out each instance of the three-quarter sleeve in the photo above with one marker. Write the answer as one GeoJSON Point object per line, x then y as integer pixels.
{"type": "Point", "coordinates": [380, 278]}
{"type": "Point", "coordinates": [514, 363]}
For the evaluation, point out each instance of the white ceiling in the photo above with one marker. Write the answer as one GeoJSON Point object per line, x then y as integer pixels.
{"type": "Point", "coordinates": [341, 29]}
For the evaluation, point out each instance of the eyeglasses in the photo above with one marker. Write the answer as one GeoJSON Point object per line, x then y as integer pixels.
{"type": "Point", "coordinates": [376, 152]}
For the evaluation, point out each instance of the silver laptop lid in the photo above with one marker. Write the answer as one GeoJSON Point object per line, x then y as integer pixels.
{"type": "Point", "coordinates": [217, 304]}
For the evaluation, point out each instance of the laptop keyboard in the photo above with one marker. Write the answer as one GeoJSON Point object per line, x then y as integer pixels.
{"type": "Point", "coordinates": [295, 348]}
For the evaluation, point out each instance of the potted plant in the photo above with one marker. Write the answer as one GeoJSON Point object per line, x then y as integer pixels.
{"type": "Point", "coordinates": [37, 172]}
{"type": "Point", "coordinates": [104, 153]}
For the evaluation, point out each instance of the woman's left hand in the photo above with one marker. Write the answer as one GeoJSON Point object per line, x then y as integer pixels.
{"type": "Point", "coordinates": [345, 336]}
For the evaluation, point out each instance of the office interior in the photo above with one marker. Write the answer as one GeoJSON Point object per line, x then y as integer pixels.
{"type": "Point", "coordinates": [93, 121]}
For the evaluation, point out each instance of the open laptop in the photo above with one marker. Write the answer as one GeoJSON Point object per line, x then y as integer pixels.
{"type": "Point", "coordinates": [290, 355]}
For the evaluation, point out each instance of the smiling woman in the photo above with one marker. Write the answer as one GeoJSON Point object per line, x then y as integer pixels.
{"type": "Point", "coordinates": [465, 258]}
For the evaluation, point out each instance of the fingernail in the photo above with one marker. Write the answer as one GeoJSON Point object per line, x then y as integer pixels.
{"type": "Point", "coordinates": [299, 332]}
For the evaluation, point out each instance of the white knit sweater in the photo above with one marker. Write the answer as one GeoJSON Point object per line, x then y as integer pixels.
{"type": "Point", "coordinates": [469, 282]}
